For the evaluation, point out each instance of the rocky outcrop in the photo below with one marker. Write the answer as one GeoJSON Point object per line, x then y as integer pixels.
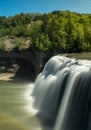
{"type": "Point", "coordinates": [26, 63]}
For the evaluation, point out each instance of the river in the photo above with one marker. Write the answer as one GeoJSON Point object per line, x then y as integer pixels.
{"type": "Point", "coordinates": [16, 107]}
{"type": "Point", "coordinates": [62, 94]}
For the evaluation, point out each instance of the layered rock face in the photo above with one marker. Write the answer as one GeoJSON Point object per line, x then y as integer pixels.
{"type": "Point", "coordinates": [26, 63]}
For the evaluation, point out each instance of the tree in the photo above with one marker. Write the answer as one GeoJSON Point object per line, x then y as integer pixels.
{"type": "Point", "coordinates": [18, 44]}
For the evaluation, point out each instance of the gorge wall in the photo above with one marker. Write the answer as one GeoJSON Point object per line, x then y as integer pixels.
{"type": "Point", "coordinates": [26, 63]}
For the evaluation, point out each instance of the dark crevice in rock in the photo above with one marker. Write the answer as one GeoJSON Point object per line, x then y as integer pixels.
{"type": "Point", "coordinates": [25, 64]}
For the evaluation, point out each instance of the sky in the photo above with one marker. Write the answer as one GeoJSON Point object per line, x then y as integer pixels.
{"type": "Point", "coordinates": [13, 7]}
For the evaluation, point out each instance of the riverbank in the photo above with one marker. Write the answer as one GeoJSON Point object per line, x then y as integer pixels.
{"type": "Point", "coordinates": [10, 77]}
{"type": "Point", "coordinates": [6, 76]}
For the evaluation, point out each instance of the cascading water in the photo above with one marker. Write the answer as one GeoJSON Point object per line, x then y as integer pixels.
{"type": "Point", "coordinates": [63, 93]}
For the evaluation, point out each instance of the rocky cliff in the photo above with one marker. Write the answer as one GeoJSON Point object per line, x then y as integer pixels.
{"type": "Point", "coordinates": [27, 63]}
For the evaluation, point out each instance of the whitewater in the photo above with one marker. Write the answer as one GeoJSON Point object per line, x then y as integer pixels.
{"type": "Point", "coordinates": [62, 93]}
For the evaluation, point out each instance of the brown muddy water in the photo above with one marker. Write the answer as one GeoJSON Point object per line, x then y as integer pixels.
{"type": "Point", "coordinates": [16, 107]}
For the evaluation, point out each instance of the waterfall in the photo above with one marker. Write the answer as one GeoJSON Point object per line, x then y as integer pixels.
{"type": "Point", "coordinates": [62, 93]}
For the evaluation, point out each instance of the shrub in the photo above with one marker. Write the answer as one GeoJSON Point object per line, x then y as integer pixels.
{"type": "Point", "coordinates": [2, 46]}
{"type": "Point", "coordinates": [19, 44]}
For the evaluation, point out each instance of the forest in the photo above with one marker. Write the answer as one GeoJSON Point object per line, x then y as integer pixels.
{"type": "Point", "coordinates": [63, 30]}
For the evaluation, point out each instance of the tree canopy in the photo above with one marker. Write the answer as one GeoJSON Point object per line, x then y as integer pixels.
{"type": "Point", "coordinates": [68, 31]}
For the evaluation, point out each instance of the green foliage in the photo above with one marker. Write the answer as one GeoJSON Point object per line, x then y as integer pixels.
{"type": "Point", "coordinates": [41, 41]}
{"type": "Point", "coordinates": [2, 46]}
{"type": "Point", "coordinates": [68, 31]}
{"type": "Point", "coordinates": [18, 44]}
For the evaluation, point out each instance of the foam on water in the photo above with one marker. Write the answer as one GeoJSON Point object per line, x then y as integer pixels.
{"type": "Point", "coordinates": [62, 93]}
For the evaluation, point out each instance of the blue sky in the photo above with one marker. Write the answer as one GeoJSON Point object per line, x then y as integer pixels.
{"type": "Point", "coordinates": [12, 7]}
